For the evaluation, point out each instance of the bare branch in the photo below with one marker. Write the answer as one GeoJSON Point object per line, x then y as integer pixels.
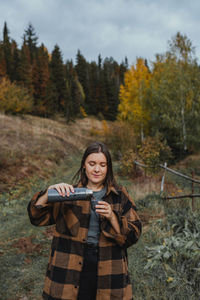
{"type": "Point", "coordinates": [171, 171]}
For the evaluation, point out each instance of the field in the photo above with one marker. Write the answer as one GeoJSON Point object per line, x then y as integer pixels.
{"type": "Point", "coordinates": [35, 153]}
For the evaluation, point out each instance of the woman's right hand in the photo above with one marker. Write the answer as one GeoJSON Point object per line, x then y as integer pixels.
{"type": "Point", "coordinates": [62, 188]}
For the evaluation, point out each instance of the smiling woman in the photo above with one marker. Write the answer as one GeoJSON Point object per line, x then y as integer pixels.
{"type": "Point", "coordinates": [89, 249]}
{"type": "Point", "coordinates": [96, 170]}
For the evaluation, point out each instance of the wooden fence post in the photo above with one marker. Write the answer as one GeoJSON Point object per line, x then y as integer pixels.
{"type": "Point", "coordinates": [193, 203]}
{"type": "Point", "coordinates": [163, 179]}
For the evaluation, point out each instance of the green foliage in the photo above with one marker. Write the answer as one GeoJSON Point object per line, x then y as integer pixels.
{"type": "Point", "coordinates": [174, 90]}
{"type": "Point", "coordinates": [14, 99]}
{"type": "Point", "coordinates": [57, 76]}
{"type": "Point", "coordinates": [167, 254]}
{"type": "Point", "coordinates": [7, 51]}
{"type": "Point", "coordinates": [24, 248]}
{"type": "Point", "coordinates": [177, 258]}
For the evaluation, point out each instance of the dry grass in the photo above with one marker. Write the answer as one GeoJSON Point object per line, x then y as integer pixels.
{"type": "Point", "coordinates": [32, 144]}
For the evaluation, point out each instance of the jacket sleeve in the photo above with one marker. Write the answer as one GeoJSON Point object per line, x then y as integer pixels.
{"type": "Point", "coordinates": [129, 222]}
{"type": "Point", "coordinates": [42, 215]}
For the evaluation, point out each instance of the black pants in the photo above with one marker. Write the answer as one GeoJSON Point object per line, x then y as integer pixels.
{"type": "Point", "coordinates": [88, 282]}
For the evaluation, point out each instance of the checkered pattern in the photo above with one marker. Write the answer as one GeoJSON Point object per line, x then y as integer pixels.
{"type": "Point", "coordinates": [66, 259]}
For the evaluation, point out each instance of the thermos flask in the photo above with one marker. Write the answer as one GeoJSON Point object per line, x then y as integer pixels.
{"type": "Point", "coordinates": [79, 194]}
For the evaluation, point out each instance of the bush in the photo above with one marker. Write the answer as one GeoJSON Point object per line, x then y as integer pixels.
{"type": "Point", "coordinates": [127, 165]}
{"type": "Point", "coordinates": [83, 113]}
{"type": "Point", "coordinates": [177, 259]}
{"type": "Point", "coordinates": [14, 99]}
{"type": "Point", "coordinates": [153, 152]}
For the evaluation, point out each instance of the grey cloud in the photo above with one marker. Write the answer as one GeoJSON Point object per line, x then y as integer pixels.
{"type": "Point", "coordinates": [115, 28]}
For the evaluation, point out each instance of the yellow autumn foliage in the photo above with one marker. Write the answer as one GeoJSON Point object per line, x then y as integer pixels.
{"type": "Point", "coordinates": [83, 112]}
{"type": "Point", "coordinates": [132, 107]}
{"type": "Point", "coordinates": [14, 99]}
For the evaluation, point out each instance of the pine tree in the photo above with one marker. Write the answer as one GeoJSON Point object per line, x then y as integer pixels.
{"type": "Point", "coordinates": [94, 76]}
{"type": "Point", "coordinates": [30, 39]}
{"type": "Point", "coordinates": [7, 51]}
{"type": "Point", "coordinates": [58, 79]}
{"type": "Point", "coordinates": [51, 98]}
{"type": "Point", "coordinates": [2, 61]}
{"type": "Point", "coordinates": [16, 62]}
{"type": "Point", "coordinates": [82, 70]}
{"type": "Point", "coordinates": [75, 93]}
{"type": "Point", "coordinates": [111, 88]}
{"type": "Point", "coordinates": [25, 69]}
{"type": "Point", "coordinates": [41, 79]}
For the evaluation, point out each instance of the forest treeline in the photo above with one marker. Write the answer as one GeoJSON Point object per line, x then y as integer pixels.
{"type": "Point", "coordinates": [55, 86]}
{"type": "Point", "coordinates": [160, 101]}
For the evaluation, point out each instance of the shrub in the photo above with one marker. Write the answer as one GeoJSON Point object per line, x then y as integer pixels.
{"type": "Point", "coordinates": [153, 152]}
{"type": "Point", "coordinates": [176, 260]}
{"type": "Point", "coordinates": [14, 99]}
{"type": "Point", "coordinates": [83, 112]}
{"type": "Point", "coordinates": [127, 166]}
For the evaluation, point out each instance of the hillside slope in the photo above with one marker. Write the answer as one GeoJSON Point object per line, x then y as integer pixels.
{"type": "Point", "coordinates": [32, 144]}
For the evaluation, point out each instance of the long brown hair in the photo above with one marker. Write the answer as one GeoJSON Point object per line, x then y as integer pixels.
{"type": "Point", "coordinates": [96, 147]}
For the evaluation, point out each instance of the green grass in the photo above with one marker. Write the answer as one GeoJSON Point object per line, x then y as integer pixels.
{"type": "Point", "coordinates": [23, 270]}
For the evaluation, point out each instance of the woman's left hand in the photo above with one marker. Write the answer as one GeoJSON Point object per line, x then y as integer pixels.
{"type": "Point", "coordinates": [104, 209]}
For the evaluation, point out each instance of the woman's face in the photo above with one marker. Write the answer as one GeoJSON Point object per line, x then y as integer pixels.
{"type": "Point", "coordinates": [96, 168]}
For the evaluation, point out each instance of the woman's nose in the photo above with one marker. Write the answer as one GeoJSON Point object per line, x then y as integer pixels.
{"type": "Point", "coordinates": [96, 168]}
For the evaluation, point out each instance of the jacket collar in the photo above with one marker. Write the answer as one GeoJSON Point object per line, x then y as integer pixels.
{"type": "Point", "coordinates": [111, 189]}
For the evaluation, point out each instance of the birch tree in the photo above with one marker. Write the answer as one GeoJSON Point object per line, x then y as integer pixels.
{"type": "Point", "coordinates": [175, 93]}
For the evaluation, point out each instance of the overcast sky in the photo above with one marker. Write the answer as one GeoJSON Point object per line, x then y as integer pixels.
{"type": "Point", "coordinates": [117, 28]}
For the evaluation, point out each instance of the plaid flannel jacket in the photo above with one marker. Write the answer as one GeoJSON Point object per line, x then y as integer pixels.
{"type": "Point", "coordinates": [71, 219]}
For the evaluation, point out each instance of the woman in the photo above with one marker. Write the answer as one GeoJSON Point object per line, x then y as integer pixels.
{"type": "Point", "coordinates": [89, 248]}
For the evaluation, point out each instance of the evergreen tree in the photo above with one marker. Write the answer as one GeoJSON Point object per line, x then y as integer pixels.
{"type": "Point", "coordinates": [30, 39]}
{"type": "Point", "coordinates": [51, 98]}
{"type": "Point", "coordinates": [58, 78]}
{"type": "Point", "coordinates": [2, 61]}
{"type": "Point", "coordinates": [41, 79]}
{"type": "Point", "coordinates": [95, 93]}
{"type": "Point", "coordinates": [25, 68]}
{"type": "Point", "coordinates": [16, 62]}
{"type": "Point", "coordinates": [7, 50]}
{"type": "Point", "coordinates": [87, 87]}
{"type": "Point", "coordinates": [99, 61]}
{"type": "Point", "coordinates": [75, 93]}
{"type": "Point", "coordinates": [82, 70]}
{"type": "Point", "coordinates": [111, 86]}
